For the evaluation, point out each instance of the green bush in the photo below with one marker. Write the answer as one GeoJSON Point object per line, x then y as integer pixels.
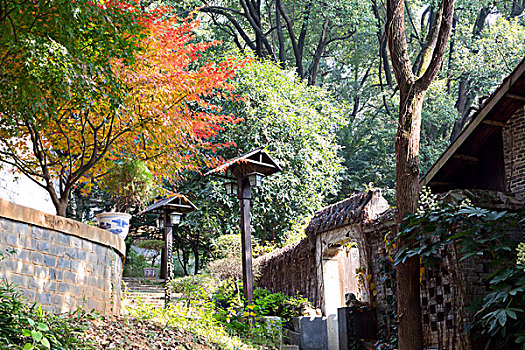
{"type": "Point", "coordinates": [28, 327]}
{"type": "Point", "coordinates": [227, 246]}
{"type": "Point", "coordinates": [135, 263]}
{"type": "Point", "coordinates": [196, 314]}
{"type": "Point", "coordinates": [480, 234]}
{"type": "Point", "coordinates": [502, 315]}
{"type": "Point", "coordinates": [189, 284]}
{"type": "Point", "coordinates": [229, 303]}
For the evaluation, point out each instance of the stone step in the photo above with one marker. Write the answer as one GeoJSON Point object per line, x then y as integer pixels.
{"type": "Point", "coordinates": [143, 284]}
{"type": "Point", "coordinates": [147, 291]}
{"type": "Point", "coordinates": [133, 303]}
{"type": "Point", "coordinates": [144, 295]}
{"type": "Point", "coordinates": [143, 280]}
{"type": "Point", "coordinates": [289, 347]}
{"type": "Point", "coordinates": [136, 285]}
{"type": "Point", "coordinates": [143, 289]}
{"type": "Point", "coordinates": [154, 299]}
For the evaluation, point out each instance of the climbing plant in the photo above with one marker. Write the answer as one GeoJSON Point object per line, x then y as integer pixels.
{"type": "Point", "coordinates": [455, 233]}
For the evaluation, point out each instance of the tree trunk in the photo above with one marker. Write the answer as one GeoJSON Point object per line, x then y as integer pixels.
{"type": "Point", "coordinates": [411, 92]}
{"type": "Point", "coordinates": [407, 193]}
{"type": "Point", "coordinates": [195, 248]}
{"type": "Point", "coordinates": [60, 205]}
{"type": "Point", "coordinates": [314, 67]}
{"type": "Point", "coordinates": [280, 36]}
{"type": "Point", "coordinates": [518, 6]}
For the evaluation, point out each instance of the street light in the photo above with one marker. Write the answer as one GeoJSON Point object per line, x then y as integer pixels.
{"type": "Point", "coordinates": [231, 188]}
{"type": "Point", "coordinates": [248, 170]}
{"type": "Point", "coordinates": [170, 211]}
{"type": "Point", "coordinates": [255, 179]}
{"type": "Point", "coordinates": [175, 218]}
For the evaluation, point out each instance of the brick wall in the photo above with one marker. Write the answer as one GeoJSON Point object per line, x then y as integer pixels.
{"type": "Point", "coordinates": [58, 262]}
{"type": "Point", "coordinates": [290, 270]}
{"type": "Point", "coordinates": [514, 154]}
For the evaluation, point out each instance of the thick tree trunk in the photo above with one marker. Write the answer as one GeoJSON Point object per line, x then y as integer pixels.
{"type": "Point", "coordinates": [61, 202]}
{"type": "Point", "coordinates": [61, 207]}
{"type": "Point", "coordinates": [412, 89]}
{"type": "Point", "coordinates": [407, 193]}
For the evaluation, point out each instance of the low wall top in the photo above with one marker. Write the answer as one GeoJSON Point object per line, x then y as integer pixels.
{"type": "Point", "coordinates": [35, 217]}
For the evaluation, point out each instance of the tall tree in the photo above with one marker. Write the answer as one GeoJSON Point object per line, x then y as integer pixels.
{"type": "Point", "coordinates": [412, 83]}
{"type": "Point", "coordinates": [297, 124]}
{"type": "Point", "coordinates": [114, 107]}
{"type": "Point", "coordinates": [296, 34]}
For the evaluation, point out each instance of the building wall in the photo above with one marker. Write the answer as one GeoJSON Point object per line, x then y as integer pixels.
{"type": "Point", "coordinates": [514, 154]}
{"type": "Point", "coordinates": [19, 189]}
{"type": "Point", "coordinates": [58, 262]}
{"type": "Point", "coordinates": [290, 270]}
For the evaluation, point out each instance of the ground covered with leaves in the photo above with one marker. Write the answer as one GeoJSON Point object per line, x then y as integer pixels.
{"type": "Point", "coordinates": [129, 333]}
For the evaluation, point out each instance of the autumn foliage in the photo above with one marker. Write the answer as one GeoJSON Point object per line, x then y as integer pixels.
{"type": "Point", "coordinates": [148, 101]}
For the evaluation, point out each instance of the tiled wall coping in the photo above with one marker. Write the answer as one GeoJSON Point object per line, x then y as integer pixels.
{"type": "Point", "coordinates": [71, 227]}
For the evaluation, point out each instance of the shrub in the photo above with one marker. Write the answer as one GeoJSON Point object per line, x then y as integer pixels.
{"type": "Point", "coordinates": [129, 184]}
{"type": "Point", "coordinates": [189, 284]}
{"type": "Point", "coordinates": [196, 315]}
{"type": "Point", "coordinates": [28, 327]}
{"type": "Point", "coordinates": [229, 303]}
{"type": "Point", "coordinates": [226, 269]}
{"type": "Point", "coordinates": [227, 246]}
{"type": "Point", "coordinates": [135, 263]}
{"type": "Point", "coordinates": [475, 233]}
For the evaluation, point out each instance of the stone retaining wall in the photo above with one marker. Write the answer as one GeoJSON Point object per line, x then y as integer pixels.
{"type": "Point", "coordinates": [58, 262]}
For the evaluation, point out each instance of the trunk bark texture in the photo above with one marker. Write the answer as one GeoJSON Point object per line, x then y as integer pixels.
{"type": "Point", "coordinates": [407, 193]}
{"type": "Point", "coordinates": [412, 89]}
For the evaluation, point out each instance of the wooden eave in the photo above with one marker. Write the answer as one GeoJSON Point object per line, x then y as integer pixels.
{"type": "Point", "coordinates": [485, 124]}
{"type": "Point", "coordinates": [254, 161]}
{"type": "Point", "coordinates": [177, 203]}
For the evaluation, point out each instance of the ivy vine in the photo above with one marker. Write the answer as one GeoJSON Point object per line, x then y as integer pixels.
{"type": "Point", "coordinates": [492, 236]}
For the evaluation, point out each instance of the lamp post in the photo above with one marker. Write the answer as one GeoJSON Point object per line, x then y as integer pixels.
{"type": "Point", "coordinates": [171, 210]}
{"type": "Point", "coordinates": [246, 172]}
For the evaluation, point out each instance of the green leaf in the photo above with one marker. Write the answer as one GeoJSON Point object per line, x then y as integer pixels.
{"type": "Point", "coordinates": [43, 327]}
{"type": "Point", "coordinates": [502, 318]}
{"type": "Point", "coordinates": [45, 342]}
{"type": "Point", "coordinates": [28, 346]}
{"type": "Point", "coordinates": [511, 313]}
{"type": "Point", "coordinates": [37, 336]}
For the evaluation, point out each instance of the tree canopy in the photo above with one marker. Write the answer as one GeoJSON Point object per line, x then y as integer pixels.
{"type": "Point", "coordinates": [297, 124]}
{"type": "Point", "coordinates": [124, 85]}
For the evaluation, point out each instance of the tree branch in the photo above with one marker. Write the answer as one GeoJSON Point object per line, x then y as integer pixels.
{"type": "Point", "coordinates": [397, 43]}
{"type": "Point", "coordinates": [438, 54]}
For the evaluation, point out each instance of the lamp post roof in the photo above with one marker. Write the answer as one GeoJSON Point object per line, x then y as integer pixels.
{"type": "Point", "coordinates": [176, 203]}
{"type": "Point", "coordinates": [256, 161]}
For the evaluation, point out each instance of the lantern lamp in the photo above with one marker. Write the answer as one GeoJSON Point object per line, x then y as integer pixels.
{"type": "Point", "coordinates": [248, 169]}
{"type": "Point", "coordinates": [255, 179]}
{"type": "Point", "coordinates": [175, 218]}
{"type": "Point", "coordinates": [231, 188]}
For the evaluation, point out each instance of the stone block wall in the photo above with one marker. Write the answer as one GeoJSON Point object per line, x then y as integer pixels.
{"type": "Point", "coordinates": [514, 154]}
{"type": "Point", "coordinates": [60, 263]}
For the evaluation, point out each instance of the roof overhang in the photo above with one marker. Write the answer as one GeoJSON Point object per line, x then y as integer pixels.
{"type": "Point", "coordinates": [176, 203]}
{"type": "Point", "coordinates": [254, 161]}
{"type": "Point", "coordinates": [486, 122]}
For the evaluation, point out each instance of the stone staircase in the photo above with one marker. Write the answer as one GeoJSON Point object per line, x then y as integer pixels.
{"type": "Point", "coordinates": [144, 290]}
